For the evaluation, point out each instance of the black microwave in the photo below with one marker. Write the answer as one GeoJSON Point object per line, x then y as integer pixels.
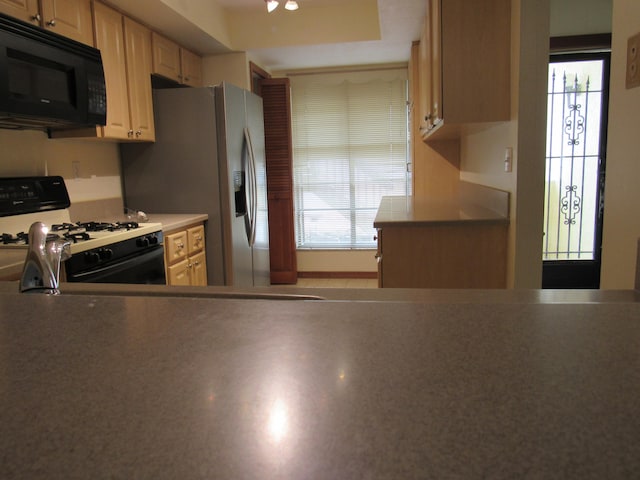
{"type": "Point", "coordinates": [48, 81]}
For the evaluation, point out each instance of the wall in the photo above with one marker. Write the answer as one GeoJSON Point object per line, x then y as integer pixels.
{"type": "Point", "coordinates": [622, 195]}
{"type": "Point", "coordinates": [482, 152]}
{"type": "Point", "coordinates": [91, 169]}
{"type": "Point", "coordinates": [232, 68]}
{"type": "Point", "coordinates": [579, 17]}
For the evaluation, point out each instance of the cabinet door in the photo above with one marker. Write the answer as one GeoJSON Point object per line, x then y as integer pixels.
{"type": "Point", "coordinates": [191, 68]}
{"type": "Point", "coordinates": [195, 237]}
{"type": "Point", "coordinates": [71, 18]}
{"type": "Point", "coordinates": [178, 274]}
{"type": "Point", "coordinates": [25, 10]}
{"type": "Point", "coordinates": [198, 269]}
{"type": "Point", "coordinates": [175, 245]}
{"type": "Point", "coordinates": [424, 75]}
{"type": "Point", "coordinates": [166, 57]}
{"type": "Point", "coordinates": [138, 54]}
{"type": "Point", "coordinates": [435, 34]}
{"type": "Point", "coordinates": [110, 40]}
{"type": "Point", "coordinates": [378, 238]}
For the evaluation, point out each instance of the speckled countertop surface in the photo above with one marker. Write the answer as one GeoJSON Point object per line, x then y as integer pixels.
{"type": "Point", "coordinates": [401, 211]}
{"type": "Point", "coordinates": [105, 386]}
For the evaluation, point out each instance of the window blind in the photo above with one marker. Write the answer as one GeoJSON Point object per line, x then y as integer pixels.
{"type": "Point", "coordinates": [349, 150]}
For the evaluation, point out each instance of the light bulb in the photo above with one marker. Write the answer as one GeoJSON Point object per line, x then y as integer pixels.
{"type": "Point", "coordinates": [271, 5]}
{"type": "Point", "coordinates": [291, 5]}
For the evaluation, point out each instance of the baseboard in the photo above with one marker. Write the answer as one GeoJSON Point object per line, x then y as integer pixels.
{"type": "Point", "coordinates": [337, 274]}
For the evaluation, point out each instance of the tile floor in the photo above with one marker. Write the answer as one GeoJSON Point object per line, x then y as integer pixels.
{"type": "Point", "coordinates": [337, 282]}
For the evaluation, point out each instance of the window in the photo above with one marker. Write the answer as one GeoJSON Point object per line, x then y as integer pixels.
{"type": "Point", "coordinates": [349, 150]}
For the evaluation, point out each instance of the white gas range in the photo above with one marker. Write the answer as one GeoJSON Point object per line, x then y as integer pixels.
{"type": "Point", "coordinates": [107, 252]}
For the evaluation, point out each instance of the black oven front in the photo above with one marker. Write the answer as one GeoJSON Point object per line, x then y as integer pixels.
{"type": "Point", "coordinates": [138, 260]}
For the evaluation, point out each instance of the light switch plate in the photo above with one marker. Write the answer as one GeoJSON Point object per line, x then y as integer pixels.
{"type": "Point", "coordinates": [633, 61]}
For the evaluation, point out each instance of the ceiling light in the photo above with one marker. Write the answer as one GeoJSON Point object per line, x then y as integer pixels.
{"type": "Point", "coordinates": [271, 5]}
{"type": "Point", "coordinates": [291, 5]}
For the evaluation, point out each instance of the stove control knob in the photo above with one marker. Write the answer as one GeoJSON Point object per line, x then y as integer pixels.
{"type": "Point", "coordinates": [105, 253]}
{"type": "Point", "coordinates": [153, 240]}
{"type": "Point", "coordinates": [91, 257]}
{"type": "Point", "coordinates": [143, 242]}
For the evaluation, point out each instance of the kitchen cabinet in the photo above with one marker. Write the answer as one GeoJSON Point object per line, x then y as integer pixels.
{"type": "Point", "coordinates": [125, 46]}
{"type": "Point", "coordinates": [464, 61]}
{"type": "Point", "coordinates": [71, 18]}
{"type": "Point", "coordinates": [458, 243]}
{"type": "Point", "coordinates": [185, 257]}
{"type": "Point", "coordinates": [455, 255]}
{"type": "Point", "coordinates": [138, 61]}
{"type": "Point", "coordinates": [172, 61]}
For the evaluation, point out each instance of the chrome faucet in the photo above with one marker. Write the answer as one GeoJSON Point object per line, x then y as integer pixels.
{"type": "Point", "coordinates": [41, 272]}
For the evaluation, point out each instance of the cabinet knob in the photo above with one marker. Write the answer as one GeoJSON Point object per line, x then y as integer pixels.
{"type": "Point", "coordinates": [36, 18]}
{"type": "Point", "coordinates": [52, 22]}
{"type": "Point", "coordinates": [138, 133]}
{"type": "Point", "coordinates": [180, 245]}
{"type": "Point", "coordinates": [130, 133]}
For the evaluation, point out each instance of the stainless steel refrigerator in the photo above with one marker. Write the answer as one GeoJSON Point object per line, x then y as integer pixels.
{"type": "Point", "coordinates": [208, 157]}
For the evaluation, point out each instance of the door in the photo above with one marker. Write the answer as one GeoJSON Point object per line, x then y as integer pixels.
{"type": "Point", "coordinates": [575, 170]}
{"type": "Point", "coordinates": [234, 170]}
{"type": "Point", "coordinates": [255, 126]}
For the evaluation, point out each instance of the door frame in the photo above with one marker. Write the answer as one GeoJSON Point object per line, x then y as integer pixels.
{"type": "Point", "coordinates": [584, 273]}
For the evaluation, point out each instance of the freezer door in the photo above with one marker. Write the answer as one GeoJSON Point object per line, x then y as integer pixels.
{"type": "Point", "coordinates": [235, 175]}
{"type": "Point", "coordinates": [255, 126]}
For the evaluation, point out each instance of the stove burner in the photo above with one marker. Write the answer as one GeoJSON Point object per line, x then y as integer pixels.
{"type": "Point", "coordinates": [56, 227]}
{"type": "Point", "coordinates": [106, 226]}
{"type": "Point", "coordinates": [22, 238]}
{"type": "Point", "coordinates": [9, 239]}
{"type": "Point", "coordinates": [75, 237]}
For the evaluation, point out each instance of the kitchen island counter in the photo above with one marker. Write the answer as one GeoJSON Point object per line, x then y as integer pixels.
{"type": "Point", "coordinates": [117, 386]}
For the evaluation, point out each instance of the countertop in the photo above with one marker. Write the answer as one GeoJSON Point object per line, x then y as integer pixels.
{"type": "Point", "coordinates": [175, 221]}
{"type": "Point", "coordinates": [12, 260]}
{"type": "Point", "coordinates": [402, 211]}
{"type": "Point", "coordinates": [128, 386]}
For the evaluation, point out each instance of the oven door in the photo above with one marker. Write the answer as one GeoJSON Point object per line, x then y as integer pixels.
{"type": "Point", "coordinates": [145, 268]}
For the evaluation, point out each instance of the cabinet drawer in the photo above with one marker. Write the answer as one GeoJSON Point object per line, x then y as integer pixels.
{"type": "Point", "coordinates": [195, 238]}
{"type": "Point", "coordinates": [178, 274]}
{"type": "Point", "coordinates": [175, 246]}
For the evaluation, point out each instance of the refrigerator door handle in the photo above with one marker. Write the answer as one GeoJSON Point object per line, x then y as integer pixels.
{"type": "Point", "coordinates": [252, 191]}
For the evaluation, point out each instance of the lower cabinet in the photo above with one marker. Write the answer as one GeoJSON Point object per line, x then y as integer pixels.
{"type": "Point", "coordinates": [185, 257]}
{"type": "Point", "coordinates": [443, 256]}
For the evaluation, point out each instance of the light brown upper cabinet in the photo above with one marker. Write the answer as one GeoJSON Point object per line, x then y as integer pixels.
{"type": "Point", "coordinates": [71, 18]}
{"type": "Point", "coordinates": [464, 66]}
{"type": "Point", "coordinates": [172, 61]}
{"type": "Point", "coordinates": [126, 56]}
{"type": "Point", "coordinates": [138, 53]}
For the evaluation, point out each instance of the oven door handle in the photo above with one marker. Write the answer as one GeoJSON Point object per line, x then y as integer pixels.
{"type": "Point", "coordinates": [96, 275]}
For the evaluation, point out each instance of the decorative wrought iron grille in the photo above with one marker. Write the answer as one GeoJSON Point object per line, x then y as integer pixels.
{"type": "Point", "coordinates": [573, 156]}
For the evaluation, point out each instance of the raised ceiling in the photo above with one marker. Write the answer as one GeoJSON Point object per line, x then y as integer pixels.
{"type": "Point", "coordinates": [321, 33]}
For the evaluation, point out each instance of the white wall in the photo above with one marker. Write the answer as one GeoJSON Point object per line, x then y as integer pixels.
{"type": "Point", "coordinates": [622, 194]}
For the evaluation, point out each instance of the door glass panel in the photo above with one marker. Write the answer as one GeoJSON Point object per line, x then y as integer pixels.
{"type": "Point", "coordinates": [574, 112]}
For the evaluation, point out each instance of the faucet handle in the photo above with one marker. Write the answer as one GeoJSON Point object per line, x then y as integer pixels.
{"type": "Point", "coordinates": [41, 271]}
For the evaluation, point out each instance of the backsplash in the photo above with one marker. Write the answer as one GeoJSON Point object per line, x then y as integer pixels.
{"type": "Point", "coordinates": [91, 169]}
